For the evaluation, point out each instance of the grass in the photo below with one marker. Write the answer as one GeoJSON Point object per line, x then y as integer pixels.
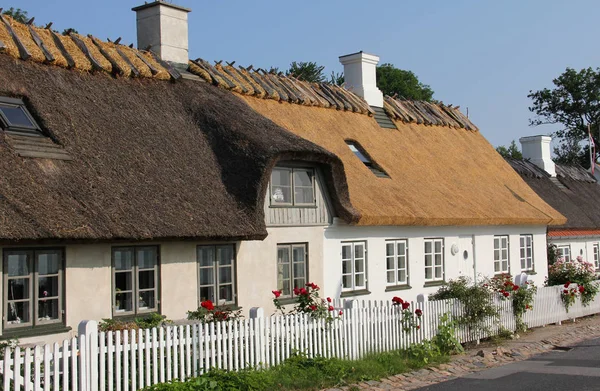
{"type": "Point", "coordinates": [302, 373]}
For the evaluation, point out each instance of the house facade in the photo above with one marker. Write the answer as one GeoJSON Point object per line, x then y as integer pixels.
{"type": "Point", "coordinates": [136, 182]}
{"type": "Point", "coordinates": [572, 190]}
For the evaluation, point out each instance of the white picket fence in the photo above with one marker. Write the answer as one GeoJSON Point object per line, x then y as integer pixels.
{"type": "Point", "coordinates": [129, 361]}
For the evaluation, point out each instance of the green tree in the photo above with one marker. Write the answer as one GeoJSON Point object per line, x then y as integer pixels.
{"type": "Point", "coordinates": [17, 14]}
{"type": "Point", "coordinates": [512, 151]}
{"type": "Point", "coordinates": [405, 84]}
{"type": "Point", "coordinates": [573, 103]}
{"type": "Point", "coordinates": [307, 71]}
{"type": "Point", "coordinates": [336, 78]}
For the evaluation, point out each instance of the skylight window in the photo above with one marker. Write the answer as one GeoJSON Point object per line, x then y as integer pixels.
{"type": "Point", "coordinates": [14, 117]}
{"type": "Point", "coordinates": [362, 155]}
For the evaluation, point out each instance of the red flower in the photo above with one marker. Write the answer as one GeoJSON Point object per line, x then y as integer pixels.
{"type": "Point", "coordinates": [506, 294]}
{"type": "Point", "coordinates": [581, 288]}
{"type": "Point", "coordinates": [527, 307]}
{"type": "Point", "coordinates": [567, 284]}
{"type": "Point", "coordinates": [208, 305]}
{"type": "Point", "coordinates": [515, 287]}
{"type": "Point", "coordinates": [312, 286]}
{"type": "Point", "coordinates": [329, 299]}
{"type": "Point", "coordinates": [296, 291]}
{"type": "Point", "coordinates": [397, 300]}
{"type": "Point", "coordinates": [303, 291]}
{"type": "Point", "coordinates": [330, 308]}
{"type": "Point", "coordinates": [418, 312]}
{"type": "Point", "coordinates": [565, 291]}
{"type": "Point", "coordinates": [277, 294]}
{"type": "Point", "coordinates": [405, 305]}
{"type": "Point", "coordinates": [341, 313]}
{"type": "Point", "coordinates": [418, 327]}
{"type": "Point", "coordinates": [313, 307]}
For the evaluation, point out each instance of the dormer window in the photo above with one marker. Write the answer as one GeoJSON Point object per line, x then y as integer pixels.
{"type": "Point", "coordinates": [362, 155]}
{"type": "Point", "coordinates": [291, 186]}
{"type": "Point", "coordinates": [14, 117]}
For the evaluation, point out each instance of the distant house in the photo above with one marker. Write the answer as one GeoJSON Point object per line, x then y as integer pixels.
{"type": "Point", "coordinates": [572, 191]}
{"type": "Point", "coordinates": [137, 182]}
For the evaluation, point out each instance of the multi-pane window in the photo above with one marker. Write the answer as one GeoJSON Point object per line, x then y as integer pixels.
{"type": "Point", "coordinates": [135, 280]}
{"type": "Point", "coordinates": [596, 256]}
{"type": "Point", "coordinates": [397, 262]}
{"type": "Point", "coordinates": [564, 252]}
{"type": "Point", "coordinates": [526, 246]}
{"type": "Point", "coordinates": [292, 186]}
{"type": "Point", "coordinates": [15, 117]}
{"type": "Point", "coordinates": [501, 264]}
{"type": "Point", "coordinates": [434, 259]}
{"type": "Point", "coordinates": [216, 273]}
{"type": "Point", "coordinates": [354, 262]}
{"type": "Point", "coordinates": [292, 267]}
{"type": "Point", "coordinates": [33, 286]}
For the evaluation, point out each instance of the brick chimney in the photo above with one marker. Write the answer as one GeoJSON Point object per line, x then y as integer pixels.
{"type": "Point", "coordinates": [360, 78]}
{"type": "Point", "coordinates": [163, 27]}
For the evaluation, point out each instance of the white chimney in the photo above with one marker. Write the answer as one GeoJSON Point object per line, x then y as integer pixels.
{"type": "Point", "coordinates": [537, 150]}
{"type": "Point", "coordinates": [163, 27]}
{"type": "Point", "coordinates": [359, 77]}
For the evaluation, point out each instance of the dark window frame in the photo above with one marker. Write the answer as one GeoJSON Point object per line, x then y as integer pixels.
{"type": "Point", "coordinates": [362, 155]}
{"type": "Point", "coordinates": [291, 265]}
{"type": "Point", "coordinates": [135, 283]}
{"type": "Point", "coordinates": [293, 203]}
{"type": "Point", "coordinates": [215, 267]}
{"type": "Point", "coordinates": [34, 130]}
{"type": "Point", "coordinates": [33, 275]}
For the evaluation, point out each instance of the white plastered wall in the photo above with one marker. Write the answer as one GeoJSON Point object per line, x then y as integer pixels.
{"type": "Point", "coordinates": [375, 237]}
{"type": "Point", "coordinates": [579, 246]}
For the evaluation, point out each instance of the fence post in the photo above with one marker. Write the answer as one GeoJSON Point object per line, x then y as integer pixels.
{"type": "Point", "coordinates": [350, 311]}
{"type": "Point", "coordinates": [257, 314]}
{"type": "Point", "coordinates": [89, 328]}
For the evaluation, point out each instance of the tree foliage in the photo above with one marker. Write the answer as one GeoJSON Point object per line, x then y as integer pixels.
{"type": "Point", "coordinates": [17, 14]}
{"type": "Point", "coordinates": [392, 81]}
{"type": "Point", "coordinates": [573, 103]}
{"type": "Point", "coordinates": [307, 71]}
{"type": "Point", "coordinates": [512, 151]}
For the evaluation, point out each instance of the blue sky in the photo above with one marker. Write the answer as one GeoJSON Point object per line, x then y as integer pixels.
{"type": "Point", "coordinates": [484, 55]}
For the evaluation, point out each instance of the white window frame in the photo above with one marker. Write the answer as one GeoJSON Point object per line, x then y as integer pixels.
{"type": "Point", "coordinates": [291, 171]}
{"type": "Point", "coordinates": [562, 253]}
{"type": "Point", "coordinates": [353, 269]}
{"type": "Point", "coordinates": [135, 289]}
{"type": "Point", "coordinates": [501, 244]}
{"type": "Point", "coordinates": [34, 298]}
{"type": "Point", "coordinates": [290, 265]}
{"type": "Point", "coordinates": [215, 268]}
{"type": "Point", "coordinates": [434, 264]}
{"type": "Point", "coordinates": [596, 249]}
{"type": "Point", "coordinates": [526, 257]}
{"type": "Point", "coordinates": [396, 257]}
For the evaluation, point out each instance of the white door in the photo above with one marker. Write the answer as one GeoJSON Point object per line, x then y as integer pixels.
{"type": "Point", "coordinates": [466, 266]}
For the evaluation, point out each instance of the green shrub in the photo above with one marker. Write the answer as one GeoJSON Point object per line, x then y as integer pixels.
{"type": "Point", "coordinates": [446, 339]}
{"type": "Point", "coordinates": [147, 322]}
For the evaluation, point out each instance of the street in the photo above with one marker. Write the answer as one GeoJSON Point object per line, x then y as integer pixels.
{"type": "Point", "coordinates": [574, 369]}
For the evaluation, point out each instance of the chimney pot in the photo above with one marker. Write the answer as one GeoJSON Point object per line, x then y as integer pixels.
{"type": "Point", "coordinates": [360, 76]}
{"type": "Point", "coordinates": [163, 27]}
{"type": "Point", "coordinates": [537, 150]}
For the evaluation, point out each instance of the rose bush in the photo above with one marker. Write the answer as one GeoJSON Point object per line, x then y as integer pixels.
{"type": "Point", "coordinates": [578, 278]}
{"type": "Point", "coordinates": [522, 296]}
{"type": "Point", "coordinates": [410, 321]}
{"type": "Point", "coordinates": [207, 312]}
{"type": "Point", "coordinates": [307, 301]}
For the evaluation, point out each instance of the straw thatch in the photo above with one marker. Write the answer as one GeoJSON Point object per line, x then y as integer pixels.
{"type": "Point", "coordinates": [438, 175]}
{"type": "Point", "coordinates": [87, 53]}
{"type": "Point", "coordinates": [150, 160]}
{"type": "Point", "coordinates": [573, 192]}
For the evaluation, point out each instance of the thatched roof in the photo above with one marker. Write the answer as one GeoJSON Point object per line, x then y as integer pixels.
{"type": "Point", "coordinates": [573, 192]}
{"type": "Point", "coordinates": [439, 175]}
{"type": "Point", "coordinates": [151, 160]}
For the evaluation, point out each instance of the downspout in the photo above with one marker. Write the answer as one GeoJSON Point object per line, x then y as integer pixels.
{"type": "Point", "coordinates": [474, 260]}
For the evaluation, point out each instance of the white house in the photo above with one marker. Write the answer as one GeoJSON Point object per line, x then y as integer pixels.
{"type": "Point", "coordinates": [135, 182]}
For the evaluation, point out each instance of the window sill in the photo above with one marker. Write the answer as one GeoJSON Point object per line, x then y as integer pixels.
{"type": "Point", "coordinates": [26, 332]}
{"type": "Point", "coordinates": [434, 283]}
{"type": "Point", "coordinates": [293, 206]}
{"type": "Point", "coordinates": [398, 288]}
{"type": "Point", "coordinates": [355, 293]}
{"type": "Point", "coordinates": [287, 300]}
{"type": "Point", "coordinates": [133, 317]}
{"type": "Point", "coordinates": [529, 272]}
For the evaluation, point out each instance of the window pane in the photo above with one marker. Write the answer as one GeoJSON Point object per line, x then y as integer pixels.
{"type": "Point", "coordinates": [207, 293]}
{"type": "Point", "coordinates": [206, 276]}
{"type": "Point", "coordinates": [124, 302]}
{"type": "Point", "coordinates": [401, 248]}
{"type": "Point", "coordinates": [146, 279]}
{"type": "Point", "coordinates": [123, 281]}
{"type": "Point", "coordinates": [284, 286]}
{"type": "Point", "coordinates": [346, 267]}
{"type": "Point", "coordinates": [303, 178]}
{"type": "Point", "coordinates": [283, 271]}
{"type": "Point", "coordinates": [281, 177]}
{"type": "Point", "coordinates": [299, 282]}
{"type": "Point", "coordinates": [225, 255]}
{"type": "Point", "coordinates": [304, 195]}
{"type": "Point", "coordinates": [438, 272]}
{"type": "Point", "coordinates": [389, 249]}
{"type": "Point", "coordinates": [146, 257]}
{"type": "Point", "coordinates": [18, 312]}
{"type": "Point", "coordinates": [438, 259]}
{"type": "Point", "coordinates": [16, 116]}
{"type": "Point", "coordinates": [283, 254]}
{"type": "Point", "coordinates": [282, 194]}
{"type": "Point", "coordinates": [428, 273]}
{"type": "Point", "coordinates": [206, 256]}
{"type": "Point", "coordinates": [299, 254]}
{"type": "Point", "coordinates": [48, 262]}
{"type": "Point", "coordinates": [401, 276]}
{"type": "Point", "coordinates": [401, 262]}
{"type": "Point", "coordinates": [359, 251]}
{"type": "Point", "coordinates": [17, 264]}
{"type": "Point", "coordinates": [390, 263]}
{"type": "Point", "coordinates": [146, 300]}
{"type": "Point", "coordinates": [496, 255]}
{"type": "Point", "coordinates": [438, 246]}
{"type": "Point", "coordinates": [225, 293]}
{"type": "Point", "coordinates": [18, 289]}
{"type": "Point", "coordinates": [428, 260]}
{"type": "Point", "coordinates": [358, 153]}
{"type": "Point", "coordinates": [48, 287]}
{"type": "Point", "coordinates": [48, 309]}
{"type": "Point", "coordinates": [359, 280]}
{"type": "Point", "coordinates": [298, 270]}
{"type": "Point", "coordinates": [391, 277]}
{"type": "Point", "coordinates": [428, 247]}
{"type": "Point", "coordinates": [346, 251]}
{"type": "Point", "coordinates": [225, 275]}
{"type": "Point", "coordinates": [359, 265]}
{"type": "Point", "coordinates": [347, 281]}
{"type": "Point", "coordinates": [123, 259]}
